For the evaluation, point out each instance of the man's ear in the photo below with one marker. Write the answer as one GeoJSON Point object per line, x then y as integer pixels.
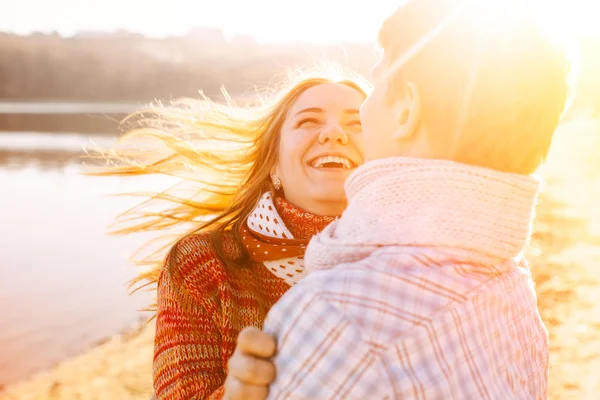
{"type": "Point", "coordinates": [408, 113]}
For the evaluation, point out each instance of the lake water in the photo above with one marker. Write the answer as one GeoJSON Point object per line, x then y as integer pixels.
{"type": "Point", "coordinates": [63, 281]}
{"type": "Point", "coordinates": [13, 107]}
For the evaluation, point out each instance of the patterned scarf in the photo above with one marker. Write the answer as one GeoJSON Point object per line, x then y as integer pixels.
{"type": "Point", "coordinates": [268, 240]}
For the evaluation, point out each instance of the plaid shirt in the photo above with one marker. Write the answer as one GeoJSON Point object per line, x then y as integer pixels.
{"type": "Point", "coordinates": [379, 329]}
{"type": "Point", "coordinates": [417, 292]}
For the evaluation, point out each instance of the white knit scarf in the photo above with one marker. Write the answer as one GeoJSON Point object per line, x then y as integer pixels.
{"type": "Point", "coordinates": [434, 204]}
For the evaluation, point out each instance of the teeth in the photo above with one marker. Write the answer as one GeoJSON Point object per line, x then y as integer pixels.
{"type": "Point", "coordinates": [319, 162]}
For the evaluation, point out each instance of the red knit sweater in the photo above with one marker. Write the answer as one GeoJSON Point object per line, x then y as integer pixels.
{"type": "Point", "coordinates": [203, 305]}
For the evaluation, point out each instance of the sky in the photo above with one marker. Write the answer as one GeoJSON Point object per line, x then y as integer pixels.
{"type": "Point", "coordinates": [317, 21]}
{"type": "Point", "coordinates": [266, 20]}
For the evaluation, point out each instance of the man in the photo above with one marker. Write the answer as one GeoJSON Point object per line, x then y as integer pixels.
{"type": "Point", "coordinates": [420, 290]}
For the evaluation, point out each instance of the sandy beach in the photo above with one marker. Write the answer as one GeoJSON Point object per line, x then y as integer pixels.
{"type": "Point", "coordinates": [564, 256]}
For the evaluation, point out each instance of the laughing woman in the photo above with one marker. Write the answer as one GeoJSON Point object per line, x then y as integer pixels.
{"type": "Point", "coordinates": [270, 177]}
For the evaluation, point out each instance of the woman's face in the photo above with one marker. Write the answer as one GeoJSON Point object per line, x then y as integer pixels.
{"type": "Point", "coordinates": [320, 145]}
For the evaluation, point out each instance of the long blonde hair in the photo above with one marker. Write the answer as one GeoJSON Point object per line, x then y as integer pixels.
{"type": "Point", "coordinates": [226, 151]}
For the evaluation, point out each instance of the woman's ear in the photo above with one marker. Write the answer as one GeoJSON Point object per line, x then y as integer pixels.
{"type": "Point", "coordinates": [275, 179]}
{"type": "Point", "coordinates": [274, 171]}
{"type": "Point", "coordinates": [408, 113]}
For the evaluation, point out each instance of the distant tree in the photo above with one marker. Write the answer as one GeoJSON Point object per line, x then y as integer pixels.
{"type": "Point", "coordinates": [128, 67]}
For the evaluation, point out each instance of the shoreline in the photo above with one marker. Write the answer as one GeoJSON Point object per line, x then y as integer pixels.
{"type": "Point", "coordinates": [119, 367]}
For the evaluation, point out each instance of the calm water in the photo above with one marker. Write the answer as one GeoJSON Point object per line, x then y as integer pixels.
{"type": "Point", "coordinates": [64, 108]}
{"type": "Point", "coordinates": [63, 281]}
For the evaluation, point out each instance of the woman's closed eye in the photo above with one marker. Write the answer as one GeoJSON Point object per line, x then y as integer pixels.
{"type": "Point", "coordinates": [354, 125]}
{"type": "Point", "coordinates": [308, 123]}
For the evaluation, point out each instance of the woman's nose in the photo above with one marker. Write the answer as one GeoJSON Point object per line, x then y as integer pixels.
{"type": "Point", "coordinates": [333, 133]}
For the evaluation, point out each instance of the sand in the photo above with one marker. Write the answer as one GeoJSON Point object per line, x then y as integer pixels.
{"type": "Point", "coordinates": [564, 257]}
{"type": "Point", "coordinates": [120, 368]}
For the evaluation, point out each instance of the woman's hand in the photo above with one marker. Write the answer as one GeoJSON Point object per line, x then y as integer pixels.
{"type": "Point", "coordinates": [250, 370]}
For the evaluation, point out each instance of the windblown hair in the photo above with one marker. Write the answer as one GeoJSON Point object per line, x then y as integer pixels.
{"type": "Point", "coordinates": [221, 153]}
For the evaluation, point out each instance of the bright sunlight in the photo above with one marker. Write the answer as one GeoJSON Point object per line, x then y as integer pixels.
{"type": "Point", "coordinates": [267, 20]}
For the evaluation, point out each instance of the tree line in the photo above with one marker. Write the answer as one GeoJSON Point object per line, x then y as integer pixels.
{"type": "Point", "coordinates": [126, 67]}
{"type": "Point", "coordinates": [133, 68]}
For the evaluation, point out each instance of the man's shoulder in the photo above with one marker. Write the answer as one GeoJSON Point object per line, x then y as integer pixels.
{"type": "Point", "coordinates": [373, 271]}
{"type": "Point", "coordinates": [390, 284]}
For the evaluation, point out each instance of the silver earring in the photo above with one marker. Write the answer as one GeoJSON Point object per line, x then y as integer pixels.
{"type": "Point", "coordinates": [276, 182]}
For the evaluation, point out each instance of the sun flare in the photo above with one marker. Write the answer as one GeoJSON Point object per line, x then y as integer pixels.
{"type": "Point", "coordinates": [267, 20]}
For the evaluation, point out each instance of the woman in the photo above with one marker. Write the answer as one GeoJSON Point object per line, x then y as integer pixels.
{"type": "Point", "coordinates": [271, 176]}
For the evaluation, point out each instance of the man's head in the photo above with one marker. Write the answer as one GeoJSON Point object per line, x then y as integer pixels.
{"type": "Point", "coordinates": [459, 82]}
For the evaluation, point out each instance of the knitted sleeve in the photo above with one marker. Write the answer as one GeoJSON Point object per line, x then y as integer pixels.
{"type": "Point", "coordinates": [187, 348]}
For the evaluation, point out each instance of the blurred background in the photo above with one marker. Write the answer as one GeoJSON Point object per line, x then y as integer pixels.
{"type": "Point", "coordinates": [71, 70]}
